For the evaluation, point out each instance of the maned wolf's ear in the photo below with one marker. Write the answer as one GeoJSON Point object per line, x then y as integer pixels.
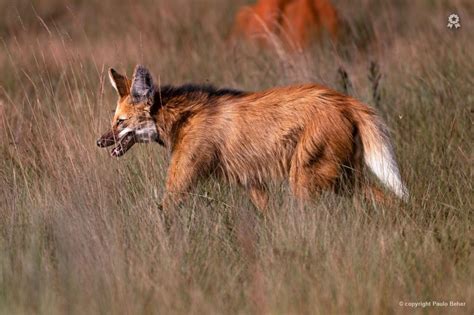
{"type": "Point", "coordinates": [142, 85]}
{"type": "Point", "coordinates": [120, 83]}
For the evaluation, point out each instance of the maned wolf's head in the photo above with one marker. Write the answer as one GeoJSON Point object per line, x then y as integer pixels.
{"type": "Point", "coordinates": [132, 120]}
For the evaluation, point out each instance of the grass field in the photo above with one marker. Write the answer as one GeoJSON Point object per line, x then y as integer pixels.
{"type": "Point", "coordinates": [80, 232]}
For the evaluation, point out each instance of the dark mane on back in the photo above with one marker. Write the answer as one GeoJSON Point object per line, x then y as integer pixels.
{"type": "Point", "coordinates": [208, 89]}
{"type": "Point", "coordinates": [204, 94]}
{"type": "Point", "coordinates": [196, 90]}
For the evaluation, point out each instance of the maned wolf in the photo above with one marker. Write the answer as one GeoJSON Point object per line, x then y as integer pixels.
{"type": "Point", "coordinates": [316, 138]}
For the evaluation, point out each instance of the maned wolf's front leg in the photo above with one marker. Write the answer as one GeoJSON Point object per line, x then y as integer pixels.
{"type": "Point", "coordinates": [184, 170]}
{"type": "Point", "coordinates": [259, 196]}
{"type": "Point", "coordinates": [178, 184]}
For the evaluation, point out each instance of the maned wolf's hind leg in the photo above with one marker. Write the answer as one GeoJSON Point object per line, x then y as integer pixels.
{"type": "Point", "coordinates": [370, 192]}
{"type": "Point", "coordinates": [317, 163]}
{"type": "Point", "coordinates": [309, 178]}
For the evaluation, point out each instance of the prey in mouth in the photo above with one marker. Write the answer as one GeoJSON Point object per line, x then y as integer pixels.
{"type": "Point", "coordinates": [125, 143]}
{"type": "Point", "coordinates": [132, 122]}
{"type": "Point", "coordinates": [127, 137]}
{"type": "Point", "coordinates": [122, 144]}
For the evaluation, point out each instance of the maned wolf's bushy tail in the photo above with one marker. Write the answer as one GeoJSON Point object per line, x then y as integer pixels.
{"type": "Point", "coordinates": [378, 151]}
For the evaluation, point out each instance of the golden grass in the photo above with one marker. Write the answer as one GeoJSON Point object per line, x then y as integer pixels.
{"type": "Point", "coordinates": [80, 232]}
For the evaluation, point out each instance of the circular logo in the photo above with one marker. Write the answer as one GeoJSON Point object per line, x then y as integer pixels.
{"type": "Point", "coordinates": [453, 19]}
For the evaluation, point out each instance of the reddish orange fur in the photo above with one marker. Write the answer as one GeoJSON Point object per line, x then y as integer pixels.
{"type": "Point", "coordinates": [311, 135]}
{"type": "Point", "coordinates": [295, 22]}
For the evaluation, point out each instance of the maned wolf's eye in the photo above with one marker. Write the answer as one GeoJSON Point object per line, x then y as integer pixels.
{"type": "Point", "coordinates": [120, 121]}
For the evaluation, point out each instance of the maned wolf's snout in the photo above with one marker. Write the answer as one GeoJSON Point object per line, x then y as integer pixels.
{"type": "Point", "coordinates": [106, 140]}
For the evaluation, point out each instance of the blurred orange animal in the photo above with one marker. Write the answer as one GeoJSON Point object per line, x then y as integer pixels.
{"type": "Point", "coordinates": [295, 22]}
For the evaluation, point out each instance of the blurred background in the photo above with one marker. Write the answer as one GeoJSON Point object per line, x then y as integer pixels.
{"type": "Point", "coordinates": [80, 232]}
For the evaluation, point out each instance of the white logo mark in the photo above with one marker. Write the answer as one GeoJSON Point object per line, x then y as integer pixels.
{"type": "Point", "coordinates": [453, 20]}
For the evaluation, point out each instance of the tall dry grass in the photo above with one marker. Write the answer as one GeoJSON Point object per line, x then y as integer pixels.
{"type": "Point", "coordinates": [81, 233]}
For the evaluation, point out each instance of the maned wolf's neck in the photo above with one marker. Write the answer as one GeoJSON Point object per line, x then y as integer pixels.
{"type": "Point", "coordinates": [187, 94]}
{"type": "Point", "coordinates": [175, 105]}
